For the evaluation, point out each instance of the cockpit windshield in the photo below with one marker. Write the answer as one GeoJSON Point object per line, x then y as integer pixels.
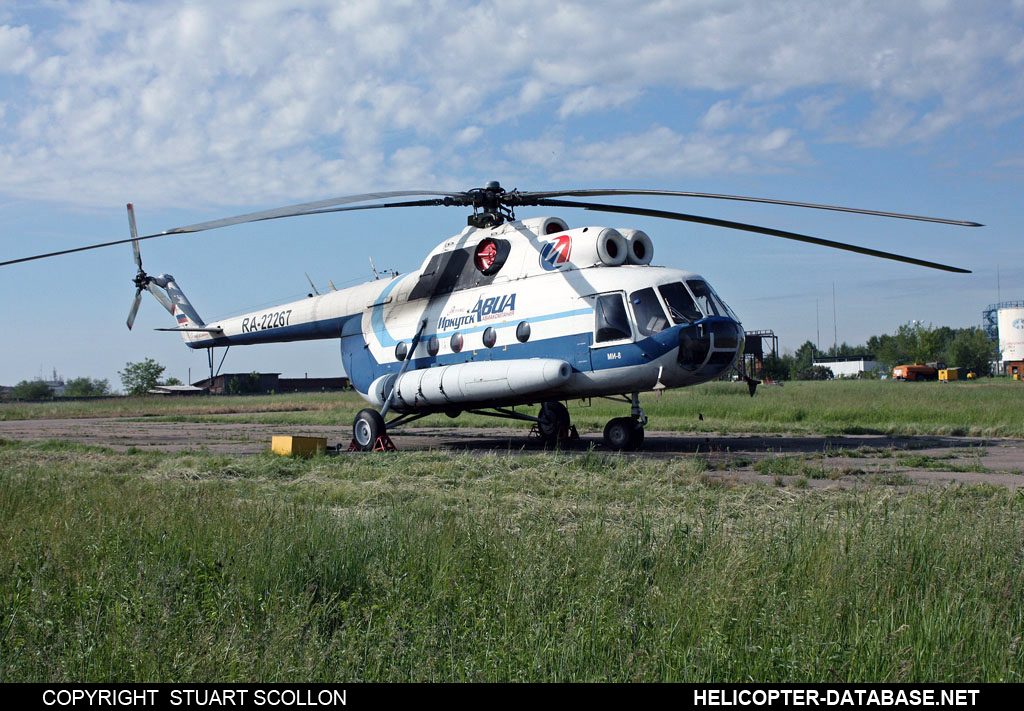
{"type": "Point", "coordinates": [709, 301]}
{"type": "Point", "coordinates": [650, 317]}
{"type": "Point", "coordinates": [706, 299]}
{"type": "Point", "coordinates": [680, 304]}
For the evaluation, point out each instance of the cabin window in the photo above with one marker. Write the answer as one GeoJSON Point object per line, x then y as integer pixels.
{"type": "Point", "coordinates": [401, 350]}
{"type": "Point", "coordinates": [612, 324]}
{"type": "Point", "coordinates": [456, 342]}
{"type": "Point", "coordinates": [433, 346]}
{"type": "Point", "coordinates": [490, 337]}
{"type": "Point", "coordinates": [523, 332]}
{"type": "Point", "coordinates": [650, 317]}
{"type": "Point", "coordinates": [680, 304]}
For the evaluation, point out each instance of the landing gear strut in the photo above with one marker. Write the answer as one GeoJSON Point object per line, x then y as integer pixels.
{"type": "Point", "coordinates": [627, 433]}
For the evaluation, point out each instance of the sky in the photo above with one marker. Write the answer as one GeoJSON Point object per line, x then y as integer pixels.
{"type": "Point", "coordinates": [194, 111]}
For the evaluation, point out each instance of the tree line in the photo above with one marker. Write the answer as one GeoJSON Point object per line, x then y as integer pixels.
{"type": "Point", "coordinates": [969, 348]}
{"type": "Point", "coordinates": [137, 378]}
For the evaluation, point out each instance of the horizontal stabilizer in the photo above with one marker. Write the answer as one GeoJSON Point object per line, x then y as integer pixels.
{"type": "Point", "coordinates": [203, 330]}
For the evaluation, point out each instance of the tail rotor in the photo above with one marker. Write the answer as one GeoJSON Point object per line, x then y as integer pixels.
{"type": "Point", "coordinates": [143, 280]}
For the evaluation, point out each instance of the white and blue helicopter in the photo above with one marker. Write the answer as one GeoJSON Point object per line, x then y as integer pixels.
{"type": "Point", "coordinates": [507, 313]}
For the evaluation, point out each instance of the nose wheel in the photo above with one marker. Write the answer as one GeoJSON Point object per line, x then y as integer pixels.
{"type": "Point", "coordinates": [626, 434]}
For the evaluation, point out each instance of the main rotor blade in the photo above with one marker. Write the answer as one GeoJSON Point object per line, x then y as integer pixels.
{"type": "Point", "coordinates": [309, 208]}
{"type": "Point", "coordinates": [529, 196]}
{"type": "Point", "coordinates": [644, 212]}
{"type": "Point", "coordinates": [305, 208]}
{"type": "Point", "coordinates": [135, 308]}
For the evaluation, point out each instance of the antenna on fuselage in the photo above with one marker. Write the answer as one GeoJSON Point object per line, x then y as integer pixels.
{"type": "Point", "coordinates": [315, 291]}
{"type": "Point", "coordinates": [392, 272]}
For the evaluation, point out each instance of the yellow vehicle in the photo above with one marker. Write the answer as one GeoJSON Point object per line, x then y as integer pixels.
{"type": "Point", "coordinates": [947, 374]}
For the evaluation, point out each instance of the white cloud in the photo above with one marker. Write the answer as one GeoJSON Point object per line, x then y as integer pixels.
{"type": "Point", "coordinates": [216, 103]}
{"type": "Point", "coordinates": [594, 98]}
{"type": "Point", "coordinates": [662, 152]}
{"type": "Point", "coordinates": [16, 53]}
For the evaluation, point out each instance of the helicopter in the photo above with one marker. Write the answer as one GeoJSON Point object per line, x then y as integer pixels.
{"type": "Point", "coordinates": [508, 313]}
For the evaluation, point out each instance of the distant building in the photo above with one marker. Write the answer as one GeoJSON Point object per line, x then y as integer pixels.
{"type": "Point", "coordinates": [253, 383]}
{"type": "Point", "coordinates": [176, 390]}
{"type": "Point", "coordinates": [312, 385]}
{"type": "Point", "coordinates": [850, 366]}
{"type": "Point", "coordinates": [56, 384]}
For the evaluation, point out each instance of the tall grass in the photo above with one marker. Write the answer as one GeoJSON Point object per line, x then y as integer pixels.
{"type": "Point", "coordinates": [425, 566]}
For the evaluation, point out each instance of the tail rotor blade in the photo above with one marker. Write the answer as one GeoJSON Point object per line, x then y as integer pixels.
{"type": "Point", "coordinates": [161, 297]}
{"type": "Point", "coordinates": [135, 308]}
{"type": "Point", "coordinates": [135, 236]}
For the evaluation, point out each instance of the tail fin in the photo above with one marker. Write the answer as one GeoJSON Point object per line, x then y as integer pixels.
{"type": "Point", "coordinates": [191, 326]}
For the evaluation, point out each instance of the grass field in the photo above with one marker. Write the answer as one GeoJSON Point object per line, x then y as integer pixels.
{"type": "Point", "coordinates": [989, 408]}
{"type": "Point", "coordinates": [148, 566]}
{"type": "Point", "coordinates": [144, 566]}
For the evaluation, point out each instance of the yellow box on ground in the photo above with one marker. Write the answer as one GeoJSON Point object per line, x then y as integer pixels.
{"type": "Point", "coordinates": [298, 446]}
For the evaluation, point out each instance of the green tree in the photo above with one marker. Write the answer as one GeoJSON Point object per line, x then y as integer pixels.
{"type": "Point", "coordinates": [971, 348]}
{"type": "Point", "coordinates": [913, 342]}
{"type": "Point", "coordinates": [776, 367]}
{"type": "Point", "coordinates": [31, 390]}
{"type": "Point", "coordinates": [86, 387]}
{"type": "Point", "coordinates": [815, 372]}
{"type": "Point", "coordinates": [802, 359]}
{"type": "Point", "coordinates": [138, 378]}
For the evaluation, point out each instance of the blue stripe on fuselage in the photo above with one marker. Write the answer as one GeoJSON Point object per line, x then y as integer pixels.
{"type": "Point", "coordinates": [311, 330]}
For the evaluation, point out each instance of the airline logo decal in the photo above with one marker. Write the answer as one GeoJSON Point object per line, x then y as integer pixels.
{"type": "Point", "coordinates": [1019, 323]}
{"type": "Point", "coordinates": [488, 309]}
{"type": "Point", "coordinates": [555, 254]}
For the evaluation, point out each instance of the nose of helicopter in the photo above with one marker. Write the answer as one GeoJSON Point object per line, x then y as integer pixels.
{"type": "Point", "coordinates": [709, 347]}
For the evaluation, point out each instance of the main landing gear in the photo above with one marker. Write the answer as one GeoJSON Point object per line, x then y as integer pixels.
{"type": "Point", "coordinates": [627, 433]}
{"type": "Point", "coordinates": [551, 425]}
{"type": "Point", "coordinates": [369, 431]}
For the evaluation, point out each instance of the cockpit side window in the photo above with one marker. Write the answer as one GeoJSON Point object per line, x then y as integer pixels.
{"type": "Point", "coordinates": [706, 299]}
{"type": "Point", "coordinates": [650, 317]}
{"type": "Point", "coordinates": [680, 304]}
{"type": "Point", "coordinates": [611, 323]}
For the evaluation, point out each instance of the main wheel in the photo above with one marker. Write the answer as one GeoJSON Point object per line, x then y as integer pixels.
{"type": "Point", "coordinates": [554, 421]}
{"type": "Point", "coordinates": [367, 428]}
{"type": "Point", "coordinates": [624, 434]}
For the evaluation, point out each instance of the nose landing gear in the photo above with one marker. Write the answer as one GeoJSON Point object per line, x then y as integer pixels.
{"type": "Point", "coordinates": [627, 433]}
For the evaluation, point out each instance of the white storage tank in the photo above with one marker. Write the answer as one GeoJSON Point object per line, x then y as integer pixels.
{"type": "Point", "coordinates": [1011, 334]}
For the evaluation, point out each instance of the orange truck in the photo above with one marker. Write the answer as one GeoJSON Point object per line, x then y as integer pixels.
{"type": "Point", "coordinates": [915, 371]}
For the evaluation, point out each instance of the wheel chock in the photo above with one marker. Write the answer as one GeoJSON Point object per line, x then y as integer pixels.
{"type": "Point", "coordinates": [383, 444]}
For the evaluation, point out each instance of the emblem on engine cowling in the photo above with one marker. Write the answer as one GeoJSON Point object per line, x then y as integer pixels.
{"type": "Point", "coordinates": [555, 254]}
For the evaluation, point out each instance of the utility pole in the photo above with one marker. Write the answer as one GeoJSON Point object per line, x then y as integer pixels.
{"type": "Point", "coordinates": [817, 327]}
{"type": "Point", "coordinates": [835, 329]}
